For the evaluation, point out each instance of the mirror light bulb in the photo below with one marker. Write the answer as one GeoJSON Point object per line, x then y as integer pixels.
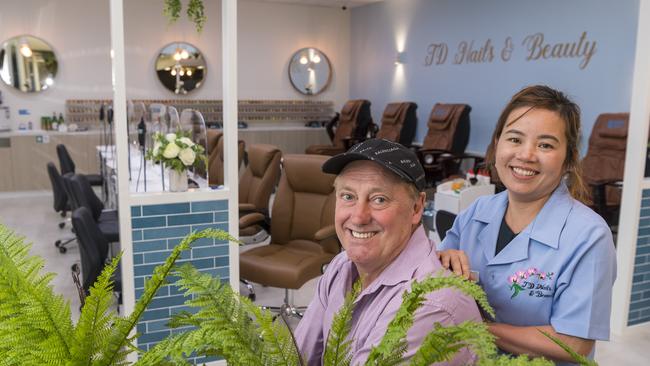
{"type": "Point", "coordinates": [181, 73]}
{"type": "Point", "coordinates": [184, 54]}
{"type": "Point", "coordinates": [173, 72]}
{"type": "Point", "coordinates": [189, 72]}
{"type": "Point", "coordinates": [25, 50]}
{"type": "Point", "coordinates": [303, 60]}
{"type": "Point", "coordinates": [177, 56]}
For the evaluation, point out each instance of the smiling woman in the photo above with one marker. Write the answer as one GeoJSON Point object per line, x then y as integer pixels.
{"type": "Point", "coordinates": [545, 260]}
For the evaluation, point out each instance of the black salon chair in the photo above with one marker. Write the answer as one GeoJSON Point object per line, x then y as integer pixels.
{"type": "Point", "coordinates": [68, 166]}
{"type": "Point", "coordinates": [107, 220]}
{"type": "Point", "coordinates": [61, 203]}
{"type": "Point", "coordinates": [93, 249]}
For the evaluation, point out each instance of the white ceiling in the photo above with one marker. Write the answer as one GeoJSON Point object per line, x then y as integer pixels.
{"type": "Point", "coordinates": [326, 3]}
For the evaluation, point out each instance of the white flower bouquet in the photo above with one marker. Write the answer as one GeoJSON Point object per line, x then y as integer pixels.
{"type": "Point", "coordinates": [176, 151]}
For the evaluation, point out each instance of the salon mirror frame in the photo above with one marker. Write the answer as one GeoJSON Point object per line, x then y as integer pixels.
{"type": "Point", "coordinates": [171, 60]}
{"type": "Point", "coordinates": [28, 49]}
{"type": "Point", "coordinates": [302, 62]}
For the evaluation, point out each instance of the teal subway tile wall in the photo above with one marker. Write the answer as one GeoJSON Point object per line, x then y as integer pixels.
{"type": "Point", "coordinates": [156, 230]}
{"type": "Point", "coordinates": [640, 295]}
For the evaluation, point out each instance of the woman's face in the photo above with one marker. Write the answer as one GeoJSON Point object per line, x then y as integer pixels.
{"type": "Point", "coordinates": [530, 154]}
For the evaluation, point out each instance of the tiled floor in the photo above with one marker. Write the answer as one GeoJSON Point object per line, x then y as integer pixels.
{"type": "Point", "coordinates": [31, 215]}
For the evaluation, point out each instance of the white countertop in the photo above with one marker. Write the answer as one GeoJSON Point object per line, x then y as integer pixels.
{"type": "Point", "coordinates": [16, 133]}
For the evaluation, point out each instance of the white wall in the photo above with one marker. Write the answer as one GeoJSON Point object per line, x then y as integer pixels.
{"type": "Point", "coordinates": [78, 30]}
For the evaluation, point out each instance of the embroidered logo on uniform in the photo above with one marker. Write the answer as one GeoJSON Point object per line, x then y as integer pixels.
{"type": "Point", "coordinates": [531, 279]}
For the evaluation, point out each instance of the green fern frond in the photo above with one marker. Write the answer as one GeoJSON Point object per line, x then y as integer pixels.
{"type": "Point", "coordinates": [278, 343]}
{"type": "Point", "coordinates": [395, 336]}
{"type": "Point", "coordinates": [509, 360]}
{"type": "Point", "coordinates": [94, 326]}
{"type": "Point", "coordinates": [114, 352]}
{"type": "Point", "coordinates": [224, 326]}
{"type": "Point", "coordinates": [235, 336]}
{"type": "Point", "coordinates": [443, 342]}
{"type": "Point", "coordinates": [35, 325]}
{"type": "Point", "coordinates": [337, 351]}
{"type": "Point", "coordinates": [580, 359]}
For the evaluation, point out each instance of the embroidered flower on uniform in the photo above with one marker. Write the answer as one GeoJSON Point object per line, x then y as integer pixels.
{"type": "Point", "coordinates": [513, 280]}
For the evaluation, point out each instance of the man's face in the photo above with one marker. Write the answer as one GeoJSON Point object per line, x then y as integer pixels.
{"type": "Point", "coordinates": [375, 214]}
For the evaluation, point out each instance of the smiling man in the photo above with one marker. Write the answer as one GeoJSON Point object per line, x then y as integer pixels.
{"type": "Point", "coordinates": [379, 204]}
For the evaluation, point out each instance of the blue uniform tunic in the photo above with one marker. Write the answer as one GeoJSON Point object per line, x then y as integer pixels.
{"type": "Point", "coordinates": [559, 270]}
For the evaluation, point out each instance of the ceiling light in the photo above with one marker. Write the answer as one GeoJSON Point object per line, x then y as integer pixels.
{"type": "Point", "coordinates": [303, 60]}
{"type": "Point", "coordinates": [316, 59]}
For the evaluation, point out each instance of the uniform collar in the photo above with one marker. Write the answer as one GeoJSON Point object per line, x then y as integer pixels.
{"type": "Point", "coordinates": [549, 223]}
{"type": "Point", "coordinates": [405, 264]}
{"type": "Point", "coordinates": [545, 228]}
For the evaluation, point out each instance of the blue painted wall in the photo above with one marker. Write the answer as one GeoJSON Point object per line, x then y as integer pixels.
{"type": "Point", "coordinates": [157, 229]}
{"type": "Point", "coordinates": [379, 30]}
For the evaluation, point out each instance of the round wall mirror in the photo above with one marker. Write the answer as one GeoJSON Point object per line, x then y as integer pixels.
{"type": "Point", "coordinates": [181, 67]}
{"type": "Point", "coordinates": [28, 64]}
{"type": "Point", "coordinates": [310, 71]}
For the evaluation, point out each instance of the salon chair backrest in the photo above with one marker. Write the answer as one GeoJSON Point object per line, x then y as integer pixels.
{"type": "Point", "coordinates": [448, 128]}
{"type": "Point", "coordinates": [304, 202]}
{"type": "Point", "coordinates": [398, 123]}
{"type": "Point", "coordinates": [215, 156]}
{"type": "Point", "coordinates": [261, 176]}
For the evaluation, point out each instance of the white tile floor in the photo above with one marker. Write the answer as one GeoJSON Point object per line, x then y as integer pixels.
{"type": "Point", "coordinates": [31, 215]}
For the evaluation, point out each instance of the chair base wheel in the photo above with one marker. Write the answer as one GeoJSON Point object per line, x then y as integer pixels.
{"type": "Point", "coordinates": [251, 297]}
{"type": "Point", "coordinates": [57, 243]}
{"type": "Point", "coordinates": [62, 250]}
{"type": "Point", "coordinates": [61, 225]}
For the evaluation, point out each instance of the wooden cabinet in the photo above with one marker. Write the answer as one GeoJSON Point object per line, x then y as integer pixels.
{"type": "Point", "coordinates": [29, 155]}
{"type": "Point", "coordinates": [6, 176]}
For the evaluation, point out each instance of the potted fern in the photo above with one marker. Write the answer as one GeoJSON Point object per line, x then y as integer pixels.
{"type": "Point", "coordinates": [36, 329]}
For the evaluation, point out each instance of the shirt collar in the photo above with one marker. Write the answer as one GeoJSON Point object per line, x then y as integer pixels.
{"type": "Point", "coordinates": [547, 225]}
{"type": "Point", "coordinates": [550, 221]}
{"type": "Point", "coordinates": [405, 264]}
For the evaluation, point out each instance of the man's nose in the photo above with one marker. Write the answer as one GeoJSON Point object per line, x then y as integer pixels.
{"type": "Point", "coordinates": [361, 213]}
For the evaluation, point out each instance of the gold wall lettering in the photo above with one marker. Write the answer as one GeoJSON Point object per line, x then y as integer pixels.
{"type": "Point", "coordinates": [537, 48]}
{"type": "Point", "coordinates": [468, 54]}
{"type": "Point", "coordinates": [436, 52]}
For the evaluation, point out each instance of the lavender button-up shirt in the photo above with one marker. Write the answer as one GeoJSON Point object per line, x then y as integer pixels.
{"type": "Point", "coordinates": [377, 304]}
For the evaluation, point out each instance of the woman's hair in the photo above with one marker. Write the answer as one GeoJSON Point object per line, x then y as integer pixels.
{"type": "Point", "coordinates": [544, 97]}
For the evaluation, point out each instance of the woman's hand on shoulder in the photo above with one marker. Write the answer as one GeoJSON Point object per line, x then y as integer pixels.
{"type": "Point", "coordinates": [455, 261]}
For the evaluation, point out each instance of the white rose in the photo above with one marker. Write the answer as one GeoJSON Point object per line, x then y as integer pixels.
{"type": "Point", "coordinates": [171, 137]}
{"type": "Point", "coordinates": [187, 156]}
{"type": "Point", "coordinates": [186, 141]}
{"type": "Point", "coordinates": [156, 148]}
{"type": "Point", "coordinates": [171, 151]}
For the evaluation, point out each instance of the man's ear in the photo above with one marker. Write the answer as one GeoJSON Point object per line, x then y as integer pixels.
{"type": "Point", "coordinates": [419, 207]}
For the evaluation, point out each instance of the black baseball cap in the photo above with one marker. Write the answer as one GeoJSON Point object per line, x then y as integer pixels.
{"type": "Point", "coordinates": [391, 155]}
